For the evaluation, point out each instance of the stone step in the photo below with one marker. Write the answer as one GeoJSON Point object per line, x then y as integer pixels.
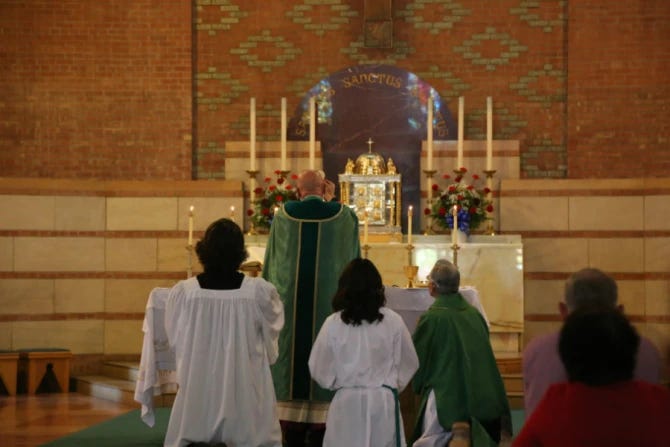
{"type": "Point", "coordinates": [116, 389]}
{"type": "Point", "coordinates": [121, 370]}
{"type": "Point", "coordinates": [513, 382]}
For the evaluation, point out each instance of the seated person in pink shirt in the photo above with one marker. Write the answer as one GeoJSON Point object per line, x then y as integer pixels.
{"type": "Point", "coordinates": [601, 405]}
{"type": "Point", "coordinates": [542, 366]}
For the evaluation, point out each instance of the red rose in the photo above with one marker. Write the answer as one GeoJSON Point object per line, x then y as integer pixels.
{"type": "Point", "coordinates": [268, 179]}
{"type": "Point", "coordinates": [452, 189]}
{"type": "Point", "coordinates": [280, 181]}
{"type": "Point", "coordinates": [294, 176]}
{"type": "Point", "coordinates": [475, 177]}
{"type": "Point", "coordinates": [489, 208]}
{"type": "Point", "coordinates": [459, 197]}
{"type": "Point", "coordinates": [458, 179]}
{"type": "Point", "coordinates": [487, 190]}
{"type": "Point", "coordinates": [279, 198]}
{"type": "Point", "coordinates": [463, 170]}
{"type": "Point", "coordinates": [473, 210]}
{"type": "Point", "coordinates": [446, 176]}
{"type": "Point", "coordinates": [272, 188]}
{"type": "Point", "coordinates": [435, 187]}
{"type": "Point", "coordinates": [265, 211]}
{"type": "Point", "coordinates": [426, 211]}
{"type": "Point", "coordinates": [258, 190]}
{"type": "Point", "coordinates": [442, 211]}
{"type": "Point", "coordinates": [277, 172]}
{"type": "Point", "coordinates": [250, 212]}
{"type": "Point", "coordinates": [470, 187]}
{"type": "Point", "coordinates": [289, 187]}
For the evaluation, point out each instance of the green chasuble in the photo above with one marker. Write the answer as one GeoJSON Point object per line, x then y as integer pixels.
{"type": "Point", "coordinates": [457, 362]}
{"type": "Point", "coordinates": [310, 243]}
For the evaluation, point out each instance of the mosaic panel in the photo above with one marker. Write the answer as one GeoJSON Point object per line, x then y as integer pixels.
{"type": "Point", "coordinates": [217, 15]}
{"type": "Point", "coordinates": [535, 14]}
{"type": "Point", "coordinates": [308, 15]}
{"type": "Point", "coordinates": [469, 49]}
{"type": "Point", "coordinates": [434, 16]}
{"type": "Point", "coordinates": [266, 51]}
{"type": "Point", "coordinates": [227, 88]}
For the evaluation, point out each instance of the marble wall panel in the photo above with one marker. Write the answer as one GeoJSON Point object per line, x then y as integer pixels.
{"type": "Point", "coordinates": [131, 255]}
{"type": "Point", "coordinates": [657, 212]}
{"type": "Point", "coordinates": [631, 296]}
{"type": "Point", "coordinates": [534, 329]}
{"type": "Point", "coordinates": [123, 337]}
{"type": "Point", "coordinates": [555, 255]}
{"type": "Point", "coordinates": [208, 209]}
{"type": "Point", "coordinates": [6, 254]}
{"type": "Point", "coordinates": [657, 254]}
{"type": "Point", "coordinates": [84, 254]}
{"type": "Point", "coordinates": [606, 213]}
{"type": "Point", "coordinates": [6, 336]}
{"type": "Point", "coordinates": [616, 254]}
{"type": "Point", "coordinates": [543, 296]}
{"type": "Point", "coordinates": [173, 256]}
{"type": "Point", "coordinates": [505, 342]}
{"type": "Point", "coordinates": [659, 335]}
{"type": "Point", "coordinates": [79, 295]}
{"type": "Point", "coordinates": [533, 214]}
{"type": "Point", "coordinates": [141, 213]}
{"type": "Point", "coordinates": [79, 336]}
{"type": "Point", "coordinates": [657, 295]}
{"type": "Point", "coordinates": [130, 295]}
{"type": "Point", "coordinates": [18, 212]}
{"type": "Point", "coordinates": [79, 213]}
{"type": "Point", "coordinates": [26, 296]}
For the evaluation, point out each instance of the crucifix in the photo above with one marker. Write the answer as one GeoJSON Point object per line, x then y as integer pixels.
{"type": "Point", "coordinates": [378, 24]}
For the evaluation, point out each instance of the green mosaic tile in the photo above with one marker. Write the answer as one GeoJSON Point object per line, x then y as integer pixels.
{"type": "Point", "coordinates": [416, 12]}
{"type": "Point", "coordinates": [357, 52]}
{"type": "Point", "coordinates": [530, 11]}
{"type": "Point", "coordinates": [468, 49]}
{"type": "Point", "coordinates": [231, 88]}
{"type": "Point", "coordinates": [248, 51]}
{"type": "Point", "coordinates": [309, 16]}
{"type": "Point", "coordinates": [523, 87]}
{"type": "Point", "coordinates": [230, 15]}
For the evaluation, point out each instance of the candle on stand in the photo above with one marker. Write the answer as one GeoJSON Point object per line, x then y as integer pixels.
{"type": "Point", "coordinates": [190, 226]}
{"type": "Point", "coordinates": [489, 133]}
{"type": "Point", "coordinates": [232, 213]}
{"type": "Point", "coordinates": [429, 135]}
{"type": "Point", "coordinates": [365, 228]}
{"type": "Point", "coordinates": [461, 127]}
{"type": "Point", "coordinates": [252, 134]}
{"type": "Point", "coordinates": [283, 135]}
{"type": "Point", "coordinates": [276, 210]}
{"type": "Point", "coordinates": [454, 231]}
{"type": "Point", "coordinates": [312, 131]}
{"type": "Point", "coordinates": [409, 225]}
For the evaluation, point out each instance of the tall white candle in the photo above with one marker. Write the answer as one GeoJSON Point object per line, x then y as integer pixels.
{"type": "Point", "coordinates": [190, 226]}
{"type": "Point", "coordinates": [454, 231]}
{"type": "Point", "coordinates": [429, 136]}
{"type": "Point", "coordinates": [489, 133]}
{"type": "Point", "coordinates": [365, 229]}
{"type": "Point", "coordinates": [461, 127]}
{"type": "Point", "coordinates": [232, 213]}
{"type": "Point", "coordinates": [252, 134]}
{"type": "Point", "coordinates": [409, 225]}
{"type": "Point", "coordinates": [312, 132]}
{"type": "Point", "coordinates": [283, 134]}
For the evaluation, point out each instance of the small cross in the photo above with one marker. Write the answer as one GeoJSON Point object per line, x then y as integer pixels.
{"type": "Point", "coordinates": [370, 145]}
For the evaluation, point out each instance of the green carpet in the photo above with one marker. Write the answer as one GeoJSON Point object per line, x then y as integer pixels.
{"type": "Point", "coordinates": [126, 430]}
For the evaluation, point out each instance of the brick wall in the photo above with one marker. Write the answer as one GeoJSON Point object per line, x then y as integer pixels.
{"type": "Point", "coordinates": [104, 90]}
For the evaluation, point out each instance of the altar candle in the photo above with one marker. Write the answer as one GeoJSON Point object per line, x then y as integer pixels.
{"type": "Point", "coordinates": [190, 226]}
{"type": "Point", "coordinates": [409, 225]}
{"type": "Point", "coordinates": [283, 134]}
{"type": "Point", "coordinates": [276, 210]}
{"type": "Point", "coordinates": [232, 213]}
{"type": "Point", "coordinates": [454, 231]}
{"type": "Point", "coordinates": [312, 132]}
{"type": "Point", "coordinates": [489, 133]}
{"type": "Point", "coordinates": [252, 134]}
{"type": "Point", "coordinates": [429, 136]}
{"type": "Point", "coordinates": [461, 126]}
{"type": "Point", "coordinates": [365, 229]}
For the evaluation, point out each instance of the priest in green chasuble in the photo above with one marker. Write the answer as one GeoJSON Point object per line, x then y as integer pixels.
{"type": "Point", "coordinates": [458, 378]}
{"type": "Point", "coordinates": [311, 241]}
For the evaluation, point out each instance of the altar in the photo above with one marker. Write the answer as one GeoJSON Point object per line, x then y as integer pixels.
{"type": "Point", "coordinates": [493, 265]}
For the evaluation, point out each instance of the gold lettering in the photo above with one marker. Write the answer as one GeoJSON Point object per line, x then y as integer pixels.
{"type": "Point", "coordinates": [372, 78]}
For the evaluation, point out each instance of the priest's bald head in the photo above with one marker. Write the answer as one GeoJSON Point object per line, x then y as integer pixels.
{"type": "Point", "coordinates": [310, 183]}
{"type": "Point", "coordinates": [444, 278]}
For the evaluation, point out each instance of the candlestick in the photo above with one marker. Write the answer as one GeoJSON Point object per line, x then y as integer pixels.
{"type": "Point", "coordinates": [190, 226]}
{"type": "Point", "coordinates": [312, 132]}
{"type": "Point", "coordinates": [365, 228]}
{"type": "Point", "coordinates": [489, 196]}
{"type": "Point", "coordinates": [252, 197]}
{"type": "Point", "coordinates": [252, 134]}
{"type": "Point", "coordinates": [461, 126]}
{"type": "Point", "coordinates": [429, 136]}
{"type": "Point", "coordinates": [454, 234]}
{"type": "Point", "coordinates": [409, 225]}
{"type": "Point", "coordinates": [429, 196]}
{"type": "Point", "coordinates": [489, 133]}
{"type": "Point", "coordinates": [282, 163]}
{"type": "Point", "coordinates": [232, 213]}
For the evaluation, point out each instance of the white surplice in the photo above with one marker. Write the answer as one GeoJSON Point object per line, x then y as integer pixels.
{"type": "Point", "coordinates": [358, 361]}
{"type": "Point", "coordinates": [225, 342]}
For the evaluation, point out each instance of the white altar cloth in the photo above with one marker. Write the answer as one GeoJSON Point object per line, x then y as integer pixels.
{"type": "Point", "coordinates": [157, 373]}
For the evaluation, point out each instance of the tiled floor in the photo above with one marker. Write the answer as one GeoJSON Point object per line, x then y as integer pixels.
{"type": "Point", "coordinates": [29, 421]}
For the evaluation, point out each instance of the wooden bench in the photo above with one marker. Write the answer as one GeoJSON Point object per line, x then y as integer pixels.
{"type": "Point", "coordinates": [9, 363]}
{"type": "Point", "coordinates": [36, 363]}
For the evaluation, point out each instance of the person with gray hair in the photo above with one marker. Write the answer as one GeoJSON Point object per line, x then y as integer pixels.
{"type": "Point", "coordinates": [588, 288]}
{"type": "Point", "coordinates": [458, 378]}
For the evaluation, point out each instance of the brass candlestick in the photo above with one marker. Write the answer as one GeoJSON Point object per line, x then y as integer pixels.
{"type": "Point", "coordinates": [252, 197]}
{"type": "Point", "coordinates": [365, 248]}
{"type": "Point", "coordinates": [410, 272]}
{"type": "Point", "coordinates": [429, 195]}
{"type": "Point", "coordinates": [489, 215]}
{"type": "Point", "coordinates": [454, 250]}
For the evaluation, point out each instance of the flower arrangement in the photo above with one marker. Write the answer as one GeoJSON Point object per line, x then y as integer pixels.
{"type": "Point", "coordinates": [471, 202]}
{"type": "Point", "coordinates": [270, 196]}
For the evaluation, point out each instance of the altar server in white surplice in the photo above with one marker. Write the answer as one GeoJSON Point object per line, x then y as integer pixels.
{"type": "Point", "coordinates": [365, 353]}
{"type": "Point", "coordinates": [224, 327]}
